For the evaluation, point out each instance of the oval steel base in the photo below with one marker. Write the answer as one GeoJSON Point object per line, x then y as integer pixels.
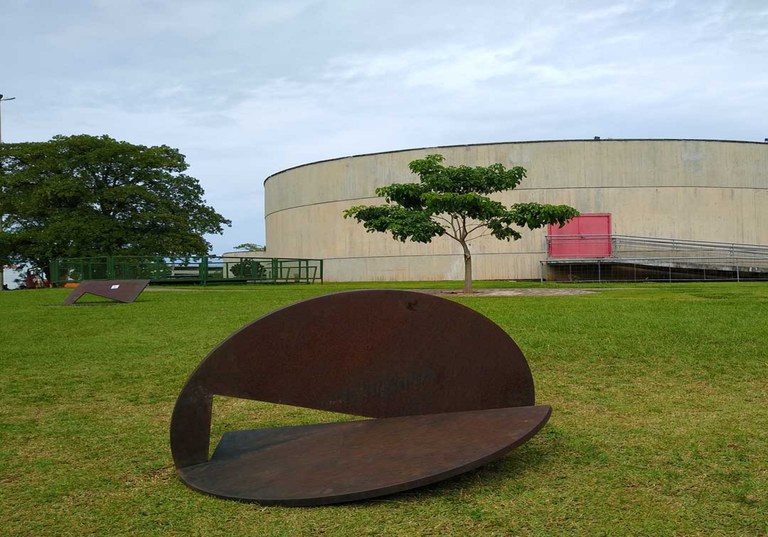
{"type": "Point", "coordinates": [340, 462]}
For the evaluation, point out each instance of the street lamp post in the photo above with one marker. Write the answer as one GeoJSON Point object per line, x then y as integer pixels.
{"type": "Point", "coordinates": [2, 265]}
{"type": "Point", "coordinates": [1, 114]}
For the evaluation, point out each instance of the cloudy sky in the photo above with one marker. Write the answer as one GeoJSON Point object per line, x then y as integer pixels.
{"type": "Point", "coordinates": [246, 88]}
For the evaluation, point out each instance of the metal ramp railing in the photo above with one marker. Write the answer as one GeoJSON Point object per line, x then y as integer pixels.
{"type": "Point", "coordinates": [662, 258]}
{"type": "Point", "coordinates": [625, 247]}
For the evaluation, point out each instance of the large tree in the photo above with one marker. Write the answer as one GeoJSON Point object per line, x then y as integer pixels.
{"type": "Point", "coordinates": [454, 201]}
{"type": "Point", "coordinates": [78, 196]}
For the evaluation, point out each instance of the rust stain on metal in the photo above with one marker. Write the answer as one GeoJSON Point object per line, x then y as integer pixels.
{"type": "Point", "coordinates": [446, 388]}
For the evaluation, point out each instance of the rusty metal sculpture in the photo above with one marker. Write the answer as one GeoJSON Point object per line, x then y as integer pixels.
{"type": "Point", "coordinates": [119, 290]}
{"type": "Point", "coordinates": [448, 390]}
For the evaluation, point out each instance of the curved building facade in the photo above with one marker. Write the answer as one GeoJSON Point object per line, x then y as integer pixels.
{"type": "Point", "coordinates": [699, 190]}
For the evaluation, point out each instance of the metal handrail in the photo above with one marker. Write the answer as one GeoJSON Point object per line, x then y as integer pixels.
{"type": "Point", "coordinates": [624, 244]}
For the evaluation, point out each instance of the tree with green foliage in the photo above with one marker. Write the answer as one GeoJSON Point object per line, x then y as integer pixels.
{"type": "Point", "coordinates": [81, 196]}
{"type": "Point", "coordinates": [251, 247]}
{"type": "Point", "coordinates": [453, 201]}
{"type": "Point", "coordinates": [252, 268]}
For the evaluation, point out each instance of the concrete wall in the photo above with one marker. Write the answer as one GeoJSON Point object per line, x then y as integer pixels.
{"type": "Point", "coordinates": [683, 189]}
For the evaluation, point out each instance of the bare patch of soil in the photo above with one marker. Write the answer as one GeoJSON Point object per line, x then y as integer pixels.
{"type": "Point", "coordinates": [513, 292]}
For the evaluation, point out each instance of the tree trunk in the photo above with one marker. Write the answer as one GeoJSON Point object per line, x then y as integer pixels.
{"type": "Point", "coordinates": [467, 269]}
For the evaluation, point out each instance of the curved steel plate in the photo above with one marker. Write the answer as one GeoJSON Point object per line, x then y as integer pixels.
{"type": "Point", "coordinates": [417, 362]}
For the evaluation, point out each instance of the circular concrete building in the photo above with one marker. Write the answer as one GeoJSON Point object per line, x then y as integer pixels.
{"type": "Point", "coordinates": [675, 190]}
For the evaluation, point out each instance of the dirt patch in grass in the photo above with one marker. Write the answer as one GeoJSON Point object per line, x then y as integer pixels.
{"type": "Point", "coordinates": [512, 292]}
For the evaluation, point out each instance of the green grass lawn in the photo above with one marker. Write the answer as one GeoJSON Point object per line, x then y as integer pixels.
{"type": "Point", "coordinates": [659, 424]}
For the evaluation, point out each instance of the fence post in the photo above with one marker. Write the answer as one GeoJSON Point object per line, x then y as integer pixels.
{"type": "Point", "coordinates": [54, 275]}
{"type": "Point", "coordinates": [274, 269]}
{"type": "Point", "coordinates": [110, 268]}
{"type": "Point", "coordinates": [202, 269]}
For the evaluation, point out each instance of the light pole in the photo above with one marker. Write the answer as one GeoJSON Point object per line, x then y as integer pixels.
{"type": "Point", "coordinates": [2, 264]}
{"type": "Point", "coordinates": [1, 114]}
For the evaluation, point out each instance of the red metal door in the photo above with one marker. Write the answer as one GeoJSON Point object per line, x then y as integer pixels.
{"type": "Point", "coordinates": [587, 235]}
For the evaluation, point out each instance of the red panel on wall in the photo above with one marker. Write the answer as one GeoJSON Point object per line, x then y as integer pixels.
{"type": "Point", "coordinates": [587, 235]}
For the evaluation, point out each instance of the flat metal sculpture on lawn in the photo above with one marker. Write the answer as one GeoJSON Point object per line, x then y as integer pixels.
{"type": "Point", "coordinates": [448, 390]}
{"type": "Point", "coordinates": [119, 290]}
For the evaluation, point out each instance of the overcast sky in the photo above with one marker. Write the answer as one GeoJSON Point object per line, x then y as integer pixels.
{"type": "Point", "coordinates": [246, 88]}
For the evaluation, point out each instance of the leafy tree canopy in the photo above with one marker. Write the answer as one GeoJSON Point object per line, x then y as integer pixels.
{"type": "Point", "coordinates": [454, 201]}
{"type": "Point", "coordinates": [79, 196]}
{"type": "Point", "coordinates": [251, 247]}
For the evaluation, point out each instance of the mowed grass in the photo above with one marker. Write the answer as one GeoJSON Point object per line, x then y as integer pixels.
{"type": "Point", "coordinates": [659, 424]}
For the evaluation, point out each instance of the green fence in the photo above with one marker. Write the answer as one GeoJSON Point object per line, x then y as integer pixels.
{"type": "Point", "coordinates": [202, 270]}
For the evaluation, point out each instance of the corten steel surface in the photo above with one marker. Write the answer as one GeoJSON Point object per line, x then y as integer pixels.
{"type": "Point", "coordinates": [449, 389]}
{"type": "Point", "coordinates": [119, 290]}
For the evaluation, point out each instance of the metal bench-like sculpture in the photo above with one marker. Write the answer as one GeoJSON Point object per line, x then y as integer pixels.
{"type": "Point", "coordinates": [448, 390]}
{"type": "Point", "coordinates": [119, 290]}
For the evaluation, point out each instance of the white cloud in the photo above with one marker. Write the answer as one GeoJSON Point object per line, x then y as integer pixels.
{"type": "Point", "coordinates": [247, 88]}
